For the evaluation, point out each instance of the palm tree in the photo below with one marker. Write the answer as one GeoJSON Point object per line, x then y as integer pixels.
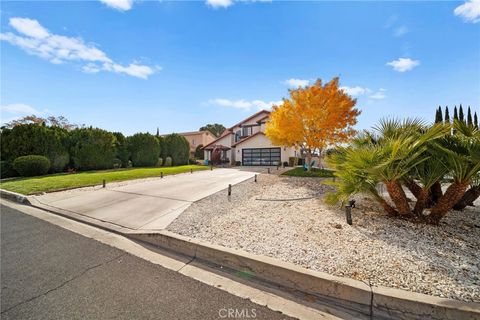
{"type": "Point", "coordinates": [412, 155]}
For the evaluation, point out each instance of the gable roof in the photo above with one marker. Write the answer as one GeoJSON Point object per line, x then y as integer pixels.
{"type": "Point", "coordinates": [224, 134]}
{"type": "Point", "coordinates": [247, 138]}
{"type": "Point", "coordinates": [250, 118]}
{"type": "Point", "coordinates": [229, 130]}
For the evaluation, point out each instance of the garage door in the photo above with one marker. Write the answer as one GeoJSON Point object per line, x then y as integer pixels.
{"type": "Point", "coordinates": [261, 157]}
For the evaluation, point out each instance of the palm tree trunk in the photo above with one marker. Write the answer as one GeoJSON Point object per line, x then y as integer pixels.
{"type": "Point", "coordinates": [468, 198]}
{"type": "Point", "coordinates": [398, 197]}
{"type": "Point", "coordinates": [421, 202]}
{"type": "Point", "coordinates": [414, 188]}
{"type": "Point", "coordinates": [436, 191]}
{"type": "Point", "coordinates": [453, 194]}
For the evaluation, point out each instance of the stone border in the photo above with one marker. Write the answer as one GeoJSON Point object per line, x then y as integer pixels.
{"type": "Point", "coordinates": [351, 296]}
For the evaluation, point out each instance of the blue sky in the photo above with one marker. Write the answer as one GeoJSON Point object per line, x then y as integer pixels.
{"type": "Point", "coordinates": [135, 66]}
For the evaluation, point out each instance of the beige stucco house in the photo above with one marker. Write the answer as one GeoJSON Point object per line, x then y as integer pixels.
{"type": "Point", "coordinates": [246, 143]}
{"type": "Point", "coordinates": [196, 138]}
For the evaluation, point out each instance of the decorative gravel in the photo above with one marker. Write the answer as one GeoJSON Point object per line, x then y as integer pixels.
{"type": "Point", "coordinates": [439, 260]}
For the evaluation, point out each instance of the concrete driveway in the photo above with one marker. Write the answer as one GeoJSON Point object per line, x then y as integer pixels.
{"type": "Point", "coordinates": [141, 205]}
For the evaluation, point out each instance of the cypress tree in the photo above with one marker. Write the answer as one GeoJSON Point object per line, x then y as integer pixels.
{"type": "Point", "coordinates": [475, 120]}
{"type": "Point", "coordinates": [438, 116]}
{"type": "Point", "coordinates": [158, 132]}
{"type": "Point", "coordinates": [461, 117]}
{"type": "Point", "coordinates": [455, 114]}
{"type": "Point", "coordinates": [469, 117]}
{"type": "Point", "coordinates": [447, 115]}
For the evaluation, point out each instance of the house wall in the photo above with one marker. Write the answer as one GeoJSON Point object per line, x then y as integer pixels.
{"type": "Point", "coordinates": [226, 141]}
{"type": "Point", "coordinates": [261, 141]}
{"type": "Point", "coordinates": [196, 139]}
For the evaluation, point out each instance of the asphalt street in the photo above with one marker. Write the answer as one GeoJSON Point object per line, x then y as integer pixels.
{"type": "Point", "coordinates": [51, 273]}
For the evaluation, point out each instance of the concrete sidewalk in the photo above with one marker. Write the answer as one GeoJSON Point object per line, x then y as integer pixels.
{"type": "Point", "coordinates": [143, 205]}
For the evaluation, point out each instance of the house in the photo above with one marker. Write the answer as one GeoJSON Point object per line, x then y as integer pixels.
{"type": "Point", "coordinates": [246, 143]}
{"type": "Point", "coordinates": [196, 138]}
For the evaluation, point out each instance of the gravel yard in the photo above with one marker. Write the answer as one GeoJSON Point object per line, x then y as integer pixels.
{"type": "Point", "coordinates": [442, 261]}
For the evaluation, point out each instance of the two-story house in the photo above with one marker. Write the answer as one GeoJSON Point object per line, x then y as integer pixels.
{"type": "Point", "coordinates": [246, 143]}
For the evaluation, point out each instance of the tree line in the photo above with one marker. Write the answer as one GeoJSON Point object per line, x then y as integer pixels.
{"type": "Point", "coordinates": [444, 117]}
{"type": "Point", "coordinates": [73, 148]}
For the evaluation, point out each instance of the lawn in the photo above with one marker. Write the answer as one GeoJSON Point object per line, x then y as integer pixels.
{"type": "Point", "coordinates": [315, 173]}
{"type": "Point", "coordinates": [55, 182]}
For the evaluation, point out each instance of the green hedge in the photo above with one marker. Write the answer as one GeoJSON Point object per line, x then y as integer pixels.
{"type": "Point", "coordinates": [92, 149]}
{"type": "Point", "coordinates": [144, 149]}
{"type": "Point", "coordinates": [178, 148]}
{"type": "Point", "coordinates": [28, 139]}
{"type": "Point", "coordinates": [31, 165]}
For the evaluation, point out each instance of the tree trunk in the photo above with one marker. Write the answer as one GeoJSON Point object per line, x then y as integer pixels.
{"type": "Point", "coordinates": [421, 202]}
{"type": "Point", "coordinates": [414, 188]}
{"type": "Point", "coordinates": [436, 192]}
{"type": "Point", "coordinates": [453, 194]}
{"type": "Point", "coordinates": [398, 197]}
{"type": "Point", "coordinates": [468, 198]}
{"type": "Point", "coordinates": [308, 159]}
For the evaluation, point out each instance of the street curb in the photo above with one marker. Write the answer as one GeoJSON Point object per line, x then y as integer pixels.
{"type": "Point", "coordinates": [13, 196]}
{"type": "Point", "coordinates": [351, 295]}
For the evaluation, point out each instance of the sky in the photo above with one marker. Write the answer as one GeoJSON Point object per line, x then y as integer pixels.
{"type": "Point", "coordinates": [132, 66]}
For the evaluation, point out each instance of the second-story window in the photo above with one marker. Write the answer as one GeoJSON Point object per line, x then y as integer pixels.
{"type": "Point", "coordinates": [193, 141]}
{"type": "Point", "coordinates": [246, 131]}
{"type": "Point", "coordinates": [237, 135]}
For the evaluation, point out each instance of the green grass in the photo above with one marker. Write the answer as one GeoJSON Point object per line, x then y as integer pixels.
{"type": "Point", "coordinates": [55, 182]}
{"type": "Point", "coordinates": [315, 173]}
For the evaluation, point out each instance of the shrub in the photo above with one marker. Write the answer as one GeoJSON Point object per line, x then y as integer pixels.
{"type": "Point", "coordinates": [178, 148]}
{"type": "Point", "coordinates": [122, 149]}
{"type": "Point", "coordinates": [199, 154]}
{"type": "Point", "coordinates": [192, 161]}
{"type": "Point", "coordinates": [238, 163]}
{"type": "Point", "coordinates": [31, 165]}
{"type": "Point", "coordinates": [292, 161]}
{"type": "Point", "coordinates": [28, 139]}
{"type": "Point", "coordinates": [6, 170]}
{"type": "Point", "coordinates": [285, 164]}
{"type": "Point", "coordinates": [168, 162]}
{"type": "Point", "coordinates": [160, 162]}
{"type": "Point", "coordinates": [92, 148]}
{"type": "Point", "coordinates": [59, 162]}
{"type": "Point", "coordinates": [144, 149]}
{"type": "Point", "coordinates": [117, 163]}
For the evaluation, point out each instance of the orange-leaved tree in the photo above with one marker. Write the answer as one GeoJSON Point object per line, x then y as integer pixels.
{"type": "Point", "coordinates": [313, 118]}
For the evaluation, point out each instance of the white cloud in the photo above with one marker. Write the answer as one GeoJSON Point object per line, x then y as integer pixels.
{"type": "Point", "coordinates": [36, 40]}
{"type": "Point", "coordinates": [400, 31]}
{"type": "Point", "coordinates": [219, 3]}
{"type": "Point", "coordinates": [379, 95]}
{"type": "Point", "coordinates": [15, 111]}
{"type": "Point", "coordinates": [121, 5]}
{"type": "Point", "coordinates": [469, 11]}
{"type": "Point", "coordinates": [29, 27]}
{"type": "Point", "coordinates": [244, 104]}
{"type": "Point", "coordinates": [403, 64]}
{"type": "Point", "coordinates": [19, 109]}
{"type": "Point", "coordinates": [355, 91]}
{"type": "Point", "coordinates": [295, 83]}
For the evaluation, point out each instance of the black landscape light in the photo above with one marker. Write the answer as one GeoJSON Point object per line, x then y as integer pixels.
{"type": "Point", "coordinates": [348, 211]}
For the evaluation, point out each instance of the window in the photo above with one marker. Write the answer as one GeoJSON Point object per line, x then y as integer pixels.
{"type": "Point", "coordinates": [237, 135]}
{"type": "Point", "coordinates": [193, 141]}
{"type": "Point", "coordinates": [246, 131]}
